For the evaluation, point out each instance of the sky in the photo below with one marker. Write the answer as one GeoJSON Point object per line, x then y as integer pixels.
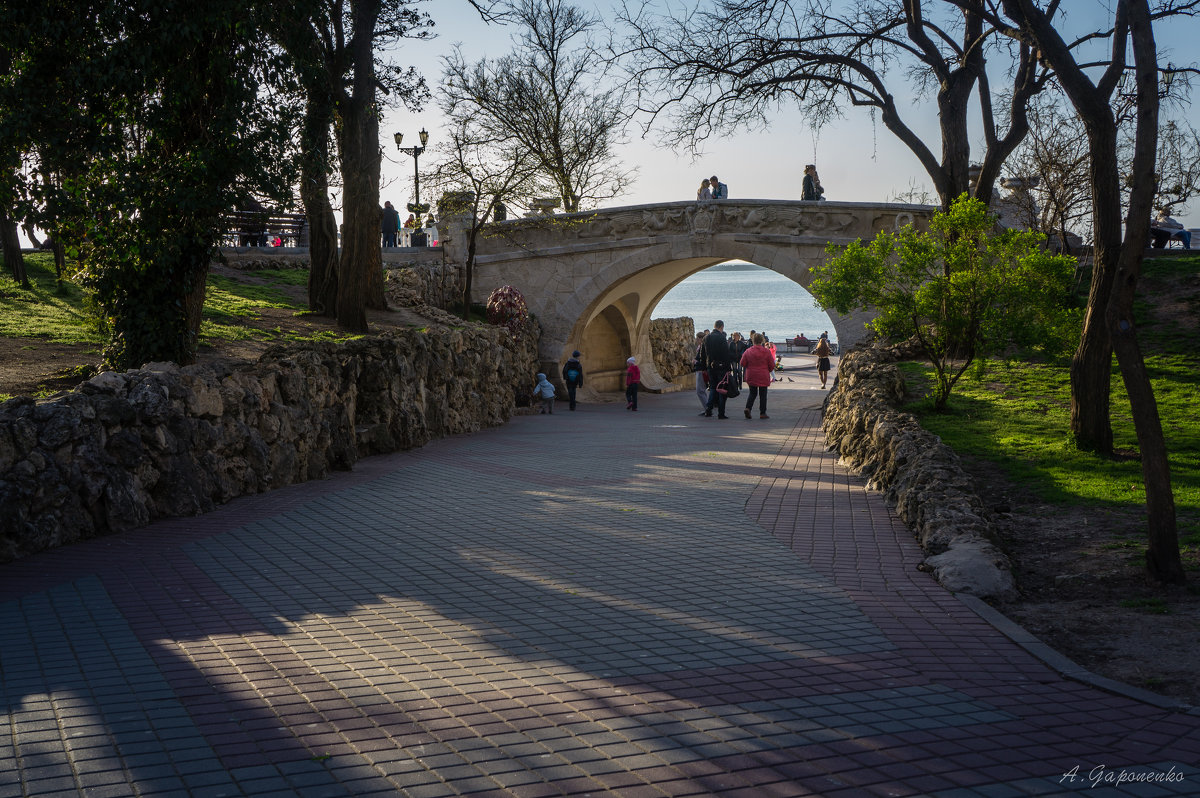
{"type": "Point", "coordinates": [858, 160]}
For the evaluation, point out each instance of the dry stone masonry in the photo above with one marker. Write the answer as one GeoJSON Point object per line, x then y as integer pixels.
{"type": "Point", "coordinates": [918, 473]}
{"type": "Point", "coordinates": [674, 345]}
{"type": "Point", "coordinates": [126, 448]}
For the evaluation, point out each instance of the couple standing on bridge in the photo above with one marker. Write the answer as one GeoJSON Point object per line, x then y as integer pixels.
{"type": "Point", "coordinates": [712, 189]}
{"type": "Point", "coordinates": [811, 189]}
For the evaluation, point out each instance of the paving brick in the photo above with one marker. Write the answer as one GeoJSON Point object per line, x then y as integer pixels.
{"type": "Point", "coordinates": [778, 641]}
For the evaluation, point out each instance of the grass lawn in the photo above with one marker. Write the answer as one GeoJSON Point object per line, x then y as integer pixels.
{"type": "Point", "coordinates": [231, 307]}
{"type": "Point", "coordinates": [258, 308]}
{"type": "Point", "coordinates": [1016, 414]}
{"type": "Point", "coordinates": [45, 310]}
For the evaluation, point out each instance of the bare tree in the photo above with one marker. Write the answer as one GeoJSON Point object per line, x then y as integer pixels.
{"type": "Point", "coordinates": [475, 176]}
{"type": "Point", "coordinates": [543, 96]}
{"type": "Point", "coordinates": [1177, 165]}
{"type": "Point", "coordinates": [1057, 170]}
{"type": "Point", "coordinates": [1056, 198]}
{"type": "Point", "coordinates": [1108, 321]}
{"type": "Point", "coordinates": [726, 66]}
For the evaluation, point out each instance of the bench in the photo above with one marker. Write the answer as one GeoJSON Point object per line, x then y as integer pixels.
{"type": "Point", "coordinates": [796, 343]}
{"type": "Point", "coordinates": [258, 229]}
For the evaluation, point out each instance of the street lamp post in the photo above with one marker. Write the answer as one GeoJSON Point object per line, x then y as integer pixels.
{"type": "Point", "coordinates": [1164, 82]}
{"type": "Point", "coordinates": [415, 152]}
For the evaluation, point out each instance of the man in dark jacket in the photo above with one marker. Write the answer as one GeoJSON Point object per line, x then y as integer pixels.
{"type": "Point", "coordinates": [716, 355]}
{"type": "Point", "coordinates": [390, 224]}
{"type": "Point", "coordinates": [573, 375]}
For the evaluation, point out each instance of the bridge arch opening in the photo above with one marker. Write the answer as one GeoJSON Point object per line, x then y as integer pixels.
{"type": "Point", "coordinates": [745, 295]}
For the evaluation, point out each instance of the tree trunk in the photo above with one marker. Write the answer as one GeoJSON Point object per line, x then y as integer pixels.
{"type": "Point", "coordinates": [469, 271]}
{"type": "Point", "coordinates": [1162, 552]}
{"type": "Point", "coordinates": [31, 234]}
{"type": "Point", "coordinates": [193, 309]}
{"type": "Point", "coordinates": [1091, 367]}
{"type": "Point", "coordinates": [10, 244]}
{"type": "Point", "coordinates": [314, 193]}
{"type": "Point", "coordinates": [361, 274]}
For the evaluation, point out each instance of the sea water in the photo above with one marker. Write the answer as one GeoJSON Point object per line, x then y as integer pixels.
{"type": "Point", "coordinates": [746, 297]}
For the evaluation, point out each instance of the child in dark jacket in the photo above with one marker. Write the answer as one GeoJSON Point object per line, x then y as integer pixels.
{"type": "Point", "coordinates": [633, 378]}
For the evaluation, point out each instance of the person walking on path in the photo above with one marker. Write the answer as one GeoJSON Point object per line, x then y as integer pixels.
{"type": "Point", "coordinates": [716, 355]}
{"type": "Point", "coordinates": [545, 391]}
{"type": "Point", "coordinates": [573, 376]}
{"type": "Point", "coordinates": [758, 364]}
{"type": "Point", "coordinates": [390, 224]}
{"type": "Point", "coordinates": [719, 189]}
{"type": "Point", "coordinates": [633, 378]}
{"type": "Point", "coordinates": [823, 351]}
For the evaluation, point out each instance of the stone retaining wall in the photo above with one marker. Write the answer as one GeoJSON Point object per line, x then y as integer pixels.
{"type": "Point", "coordinates": [126, 448]}
{"type": "Point", "coordinates": [918, 473]}
{"type": "Point", "coordinates": [423, 280]}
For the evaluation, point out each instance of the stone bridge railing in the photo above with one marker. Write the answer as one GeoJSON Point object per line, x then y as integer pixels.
{"type": "Point", "coordinates": [777, 221]}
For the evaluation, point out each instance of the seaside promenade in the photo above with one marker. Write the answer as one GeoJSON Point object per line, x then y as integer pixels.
{"type": "Point", "coordinates": [587, 603]}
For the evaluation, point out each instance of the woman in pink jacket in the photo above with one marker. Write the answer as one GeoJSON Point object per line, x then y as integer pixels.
{"type": "Point", "coordinates": [758, 363]}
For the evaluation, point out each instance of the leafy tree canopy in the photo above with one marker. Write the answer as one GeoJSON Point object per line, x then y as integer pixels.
{"type": "Point", "coordinates": [964, 289]}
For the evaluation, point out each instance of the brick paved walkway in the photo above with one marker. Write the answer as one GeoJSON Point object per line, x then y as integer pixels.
{"type": "Point", "coordinates": [642, 604]}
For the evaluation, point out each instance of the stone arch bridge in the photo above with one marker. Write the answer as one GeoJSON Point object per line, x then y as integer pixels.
{"type": "Point", "coordinates": [593, 279]}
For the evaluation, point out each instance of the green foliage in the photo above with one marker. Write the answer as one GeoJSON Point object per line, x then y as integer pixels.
{"type": "Point", "coordinates": [148, 120]}
{"type": "Point", "coordinates": [964, 289]}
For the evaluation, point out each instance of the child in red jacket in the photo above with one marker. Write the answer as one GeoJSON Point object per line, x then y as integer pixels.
{"type": "Point", "coordinates": [633, 378]}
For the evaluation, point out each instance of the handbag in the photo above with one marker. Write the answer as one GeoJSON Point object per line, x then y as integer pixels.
{"type": "Point", "coordinates": [727, 387]}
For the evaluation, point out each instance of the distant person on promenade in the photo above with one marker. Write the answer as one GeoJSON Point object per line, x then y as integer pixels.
{"type": "Point", "coordinates": [390, 224]}
{"type": "Point", "coordinates": [823, 351]}
{"type": "Point", "coordinates": [774, 354]}
{"type": "Point", "coordinates": [716, 355]}
{"type": "Point", "coordinates": [758, 363]}
{"type": "Point", "coordinates": [812, 190]}
{"type": "Point", "coordinates": [544, 391]}
{"type": "Point", "coordinates": [633, 379]}
{"type": "Point", "coordinates": [701, 368]}
{"type": "Point", "coordinates": [719, 189]}
{"type": "Point", "coordinates": [704, 192]}
{"type": "Point", "coordinates": [573, 376]}
{"type": "Point", "coordinates": [737, 347]}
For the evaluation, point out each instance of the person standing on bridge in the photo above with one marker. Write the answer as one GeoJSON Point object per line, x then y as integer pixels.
{"type": "Point", "coordinates": [705, 191]}
{"type": "Point", "coordinates": [719, 189]}
{"type": "Point", "coordinates": [716, 355]}
{"type": "Point", "coordinates": [390, 224]}
{"type": "Point", "coordinates": [812, 189]}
